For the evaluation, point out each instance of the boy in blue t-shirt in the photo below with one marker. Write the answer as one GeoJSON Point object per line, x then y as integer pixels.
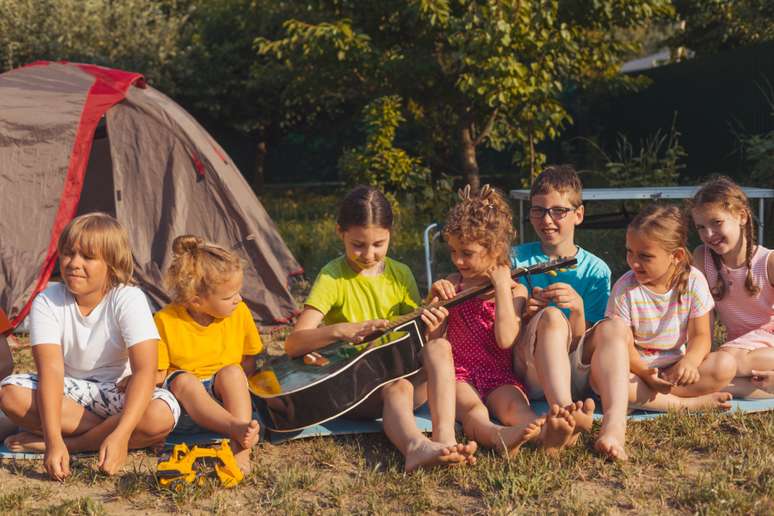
{"type": "Point", "coordinates": [596, 357]}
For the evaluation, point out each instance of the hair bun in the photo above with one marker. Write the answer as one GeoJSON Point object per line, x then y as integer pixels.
{"type": "Point", "coordinates": [186, 244]}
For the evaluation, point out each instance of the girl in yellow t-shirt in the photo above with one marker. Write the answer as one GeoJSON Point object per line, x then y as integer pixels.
{"type": "Point", "coordinates": [208, 340]}
{"type": "Point", "coordinates": [358, 293]}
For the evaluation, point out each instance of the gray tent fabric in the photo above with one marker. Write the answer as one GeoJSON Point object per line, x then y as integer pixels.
{"type": "Point", "coordinates": [150, 164]}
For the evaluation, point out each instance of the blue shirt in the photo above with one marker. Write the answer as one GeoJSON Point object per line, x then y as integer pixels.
{"type": "Point", "coordinates": [590, 278]}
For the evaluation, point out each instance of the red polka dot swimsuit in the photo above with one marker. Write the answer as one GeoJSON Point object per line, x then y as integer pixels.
{"type": "Point", "coordinates": [478, 360]}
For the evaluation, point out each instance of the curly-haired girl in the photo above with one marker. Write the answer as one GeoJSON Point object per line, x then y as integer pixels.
{"type": "Point", "coordinates": [483, 330]}
{"type": "Point", "coordinates": [208, 343]}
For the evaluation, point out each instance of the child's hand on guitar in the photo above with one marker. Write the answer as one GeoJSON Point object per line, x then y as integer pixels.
{"type": "Point", "coordinates": [357, 331]}
{"type": "Point", "coordinates": [442, 289]}
{"type": "Point", "coordinates": [563, 296]}
{"type": "Point", "coordinates": [535, 303]}
{"type": "Point", "coordinates": [500, 275]}
{"type": "Point", "coordinates": [434, 319]}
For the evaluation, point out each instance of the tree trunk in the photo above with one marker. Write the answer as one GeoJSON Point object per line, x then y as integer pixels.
{"type": "Point", "coordinates": [258, 173]}
{"type": "Point", "coordinates": [469, 161]}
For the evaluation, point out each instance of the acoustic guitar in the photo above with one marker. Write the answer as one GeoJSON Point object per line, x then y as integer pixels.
{"type": "Point", "coordinates": [295, 393]}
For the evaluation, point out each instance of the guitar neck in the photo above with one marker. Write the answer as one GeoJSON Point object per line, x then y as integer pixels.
{"type": "Point", "coordinates": [538, 268]}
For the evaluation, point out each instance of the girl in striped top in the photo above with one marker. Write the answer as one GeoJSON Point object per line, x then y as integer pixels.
{"type": "Point", "coordinates": [667, 303]}
{"type": "Point", "coordinates": [741, 275]}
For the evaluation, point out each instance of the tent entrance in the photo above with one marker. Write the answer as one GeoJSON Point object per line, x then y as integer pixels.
{"type": "Point", "coordinates": [98, 192]}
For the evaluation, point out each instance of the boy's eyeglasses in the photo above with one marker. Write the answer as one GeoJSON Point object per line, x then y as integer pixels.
{"type": "Point", "coordinates": [556, 213]}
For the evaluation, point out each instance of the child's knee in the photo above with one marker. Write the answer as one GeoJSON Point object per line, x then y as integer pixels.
{"type": "Point", "coordinates": [231, 373]}
{"type": "Point", "coordinates": [183, 382]}
{"type": "Point", "coordinates": [398, 388]}
{"type": "Point", "coordinates": [15, 400]}
{"type": "Point", "coordinates": [437, 351]}
{"type": "Point", "coordinates": [552, 318]}
{"type": "Point", "coordinates": [723, 368]}
{"type": "Point", "coordinates": [158, 420]}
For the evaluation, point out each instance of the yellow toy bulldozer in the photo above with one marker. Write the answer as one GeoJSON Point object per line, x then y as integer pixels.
{"type": "Point", "coordinates": [195, 464]}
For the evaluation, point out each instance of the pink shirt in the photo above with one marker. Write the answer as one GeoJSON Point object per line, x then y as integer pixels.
{"type": "Point", "coordinates": [739, 311]}
{"type": "Point", "coordinates": [659, 321]}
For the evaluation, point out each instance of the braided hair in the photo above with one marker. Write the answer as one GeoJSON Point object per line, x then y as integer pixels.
{"type": "Point", "coordinates": [728, 196]}
{"type": "Point", "coordinates": [666, 224]}
{"type": "Point", "coordinates": [483, 217]}
{"type": "Point", "coordinates": [198, 267]}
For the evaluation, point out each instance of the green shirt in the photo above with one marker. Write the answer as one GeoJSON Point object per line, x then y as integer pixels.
{"type": "Point", "coordinates": [343, 295]}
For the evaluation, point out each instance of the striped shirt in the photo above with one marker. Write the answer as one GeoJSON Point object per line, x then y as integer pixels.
{"type": "Point", "coordinates": [659, 321]}
{"type": "Point", "coordinates": [739, 311]}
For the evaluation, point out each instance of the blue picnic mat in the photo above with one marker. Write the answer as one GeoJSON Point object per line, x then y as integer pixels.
{"type": "Point", "coordinates": [344, 426]}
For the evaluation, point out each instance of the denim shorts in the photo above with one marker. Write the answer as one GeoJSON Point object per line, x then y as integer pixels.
{"type": "Point", "coordinates": [185, 424]}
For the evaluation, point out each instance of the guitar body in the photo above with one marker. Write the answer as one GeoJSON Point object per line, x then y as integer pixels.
{"type": "Point", "coordinates": [295, 395]}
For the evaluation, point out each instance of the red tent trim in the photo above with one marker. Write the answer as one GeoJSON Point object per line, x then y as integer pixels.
{"type": "Point", "coordinates": [108, 89]}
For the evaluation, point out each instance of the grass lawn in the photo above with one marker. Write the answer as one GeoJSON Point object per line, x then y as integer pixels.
{"type": "Point", "coordinates": [680, 464]}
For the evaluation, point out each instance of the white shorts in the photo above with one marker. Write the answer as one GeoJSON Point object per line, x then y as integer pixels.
{"type": "Point", "coordinates": [101, 398]}
{"type": "Point", "coordinates": [580, 372]}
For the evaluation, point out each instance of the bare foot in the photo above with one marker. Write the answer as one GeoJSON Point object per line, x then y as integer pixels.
{"type": "Point", "coordinates": [25, 442]}
{"type": "Point", "coordinates": [712, 401]}
{"type": "Point", "coordinates": [424, 453]}
{"type": "Point", "coordinates": [513, 438]}
{"type": "Point", "coordinates": [243, 460]}
{"type": "Point", "coordinates": [245, 434]}
{"type": "Point", "coordinates": [611, 441]}
{"type": "Point", "coordinates": [557, 430]}
{"type": "Point", "coordinates": [467, 450]}
{"type": "Point", "coordinates": [764, 380]}
{"type": "Point", "coordinates": [583, 414]}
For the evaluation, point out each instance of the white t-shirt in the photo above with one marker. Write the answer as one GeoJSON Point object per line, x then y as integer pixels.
{"type": "Point", "coordinates": [94, 347]}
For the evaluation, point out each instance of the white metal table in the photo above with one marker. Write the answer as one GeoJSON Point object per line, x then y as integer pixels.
{"type": "Point", "coordinates": [650, 193]}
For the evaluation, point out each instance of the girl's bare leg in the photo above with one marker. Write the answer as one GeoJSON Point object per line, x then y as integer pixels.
{"type": "Point", "coordinates": [643, 397]}
{"type": "Point", "coordinates": [511, 408]}
{"type": "Point", "coordinates": [742, 385]}
{"type": "Point", "coordinates": [606, 349]}
{"type": "Point", "coordinates": [401, 429]}
{"type": "Point", "coordinates": [716, 371]}
{"type": "Point", "coordinates": [438, 364]}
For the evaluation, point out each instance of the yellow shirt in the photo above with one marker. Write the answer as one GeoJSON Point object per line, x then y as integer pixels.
{"type": "Point", "coordinates": [205, 350]}
{"type": "Point", "coordinates": [342, 295]}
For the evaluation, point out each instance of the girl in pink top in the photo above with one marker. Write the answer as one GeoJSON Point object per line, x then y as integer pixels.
{"type": "Point", "coordinates": [482, 331]}
{"type": "Point", "coordinates": [666, 302]}
{"type": "Point", "coordinates": [741, 276]}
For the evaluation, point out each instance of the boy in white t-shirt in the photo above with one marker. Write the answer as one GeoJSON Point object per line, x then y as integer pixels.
{"type": "Point", "coordinates": [95, 348]}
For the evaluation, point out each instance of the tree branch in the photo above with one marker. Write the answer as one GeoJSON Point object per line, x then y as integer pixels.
{"type": "Point", "coordinates": [487, 128]}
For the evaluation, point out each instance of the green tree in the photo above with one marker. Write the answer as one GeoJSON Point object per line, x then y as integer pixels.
{"type": "Point", "coordinates": [468, 73]}
{"type": "Point", "coordinates": [712, 26]}
{"type": "Point", "coordinates": [136, 35]}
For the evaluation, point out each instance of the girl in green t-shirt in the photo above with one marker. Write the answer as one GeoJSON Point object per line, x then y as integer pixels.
{"type": "Point", "coordinates": [357, 294]}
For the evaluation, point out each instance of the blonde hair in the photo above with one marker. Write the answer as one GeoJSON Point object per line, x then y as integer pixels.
{"type": "Point", "coordinates": [484, 218]}
{"type": "Point", "coordinates": [666, 225]}
{"type": "Point", "coordinates": [100, 235]}
{"type": "Point", "coordinates": [198, 267]}
{"type": "Point", "coordinates": [560, 178]}
{"type": "Point", "coordinates": [724, 193]}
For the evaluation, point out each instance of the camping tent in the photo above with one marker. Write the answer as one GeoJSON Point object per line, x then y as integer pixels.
{"type": "Point", "coordinates": [79, 138]}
